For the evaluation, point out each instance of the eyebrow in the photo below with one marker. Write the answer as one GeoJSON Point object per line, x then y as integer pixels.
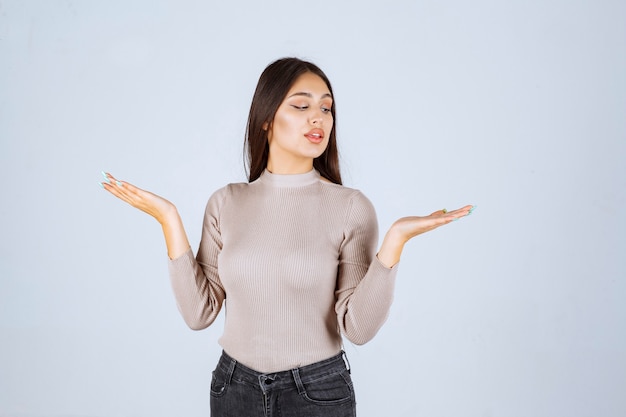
{"type": "Point", "coordinates": [302, 93]}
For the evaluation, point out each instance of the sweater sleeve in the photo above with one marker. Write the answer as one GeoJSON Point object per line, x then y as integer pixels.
{"type": "Point", "coordinates": [197, 287]}
{"type": "Point", "coordinates": [364, 285]}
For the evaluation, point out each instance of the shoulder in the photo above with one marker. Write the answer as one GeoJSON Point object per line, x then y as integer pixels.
{"type": "Point", "coordinates": [354, 201]}
{"type": "Point", "coordinates": [353, 195]}
{"type": "Point", "coordinates": [224, 194]}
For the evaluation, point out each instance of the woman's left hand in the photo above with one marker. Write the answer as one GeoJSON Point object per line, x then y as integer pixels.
{"type": "Point", "coordinates": [407, 228]}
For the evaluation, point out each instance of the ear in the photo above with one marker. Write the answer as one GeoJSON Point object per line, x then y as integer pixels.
{"type": "Point", "coordinates": [266, 126]}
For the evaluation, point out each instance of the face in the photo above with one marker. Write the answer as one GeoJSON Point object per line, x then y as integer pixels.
{"type": "Point", "coordinates": [301, 127]}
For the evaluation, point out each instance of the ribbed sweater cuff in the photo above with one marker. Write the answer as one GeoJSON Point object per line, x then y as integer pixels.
{"type": "Point", "coordinates": [182, 263]}
{"type": "Point", "coordinates": [382, 269]}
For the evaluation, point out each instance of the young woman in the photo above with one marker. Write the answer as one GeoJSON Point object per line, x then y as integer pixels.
{"type": "Point", "coordinates": [291, 253]}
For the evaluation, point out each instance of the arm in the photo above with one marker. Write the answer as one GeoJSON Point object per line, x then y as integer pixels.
{"type": "Point", "coordinates": [366, 281]}
{"type": "Point", "coordinates": [364, 284]}
{"type": "Point", "coordinates": [197, 288]}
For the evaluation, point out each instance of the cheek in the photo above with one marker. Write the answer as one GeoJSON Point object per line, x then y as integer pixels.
{"type": "Point", "coordinates": [275, 128]}
{"type": "Point", "coordinates": [283, 123]}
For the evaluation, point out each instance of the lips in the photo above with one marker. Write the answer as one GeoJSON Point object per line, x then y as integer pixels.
{"type": "Point", "coordinates": [315, 135]}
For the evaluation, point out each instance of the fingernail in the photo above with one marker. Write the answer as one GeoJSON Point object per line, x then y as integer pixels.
{"type": "Point", "coordinates": [106, 178]}
{"type": "Point", "coordinates": [472, 209]}
{"type": "Point", "coordinates": [119, 184]}
{"type": "Point", "coordinates": [101, 185]}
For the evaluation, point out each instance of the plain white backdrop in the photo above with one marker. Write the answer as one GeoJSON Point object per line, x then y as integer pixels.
{"type": "Point", "coordinates": [517, 107]}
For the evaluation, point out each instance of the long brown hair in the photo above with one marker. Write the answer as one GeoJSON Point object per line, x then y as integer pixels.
{"type": "Point", "coordinates": [273, 86]}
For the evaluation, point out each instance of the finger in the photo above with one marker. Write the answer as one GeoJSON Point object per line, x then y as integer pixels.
{"type": "Point", "coordinates": [125, 187]}
{"type": "Point", "coordinates": [439, 212]}
{"type": "Point", "coordinates": [117, 191]}
{"type": "Point", "coordinates": [120, 189]}
{"type": "Point", "coordinates": [462, 212]}
{"type": "Point", "coordinates": [110, 179]}
{"type": "Point", "coordinates": [464, 209]}
{"type": "Point", "coordinates": [107, 177]}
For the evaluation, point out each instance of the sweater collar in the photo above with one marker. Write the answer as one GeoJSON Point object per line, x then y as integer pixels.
{"type": "Point", "coordinates": [290, 180]}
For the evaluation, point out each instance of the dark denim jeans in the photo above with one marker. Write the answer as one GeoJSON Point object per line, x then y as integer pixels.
{"type": "Point", "coordinates": [320, 389]}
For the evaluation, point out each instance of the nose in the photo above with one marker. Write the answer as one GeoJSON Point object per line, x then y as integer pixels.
{"type": "Point", "coordinates": [316, 118]}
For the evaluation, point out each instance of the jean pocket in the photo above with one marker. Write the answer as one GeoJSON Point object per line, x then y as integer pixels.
{"type": "Point", "coordinates": [331, 390]}
{"type": "Point", "coordinates": [219, 383]}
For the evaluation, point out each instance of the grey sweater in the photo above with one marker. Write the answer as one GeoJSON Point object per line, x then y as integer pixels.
{"type": "Point", "coordinates": [292, 257]}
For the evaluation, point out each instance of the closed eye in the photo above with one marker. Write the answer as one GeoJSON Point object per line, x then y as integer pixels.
{"type": "Point", "coordinates": [302, 108]}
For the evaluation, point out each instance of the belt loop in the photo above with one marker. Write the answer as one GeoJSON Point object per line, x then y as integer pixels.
{"type": "Point", "coordinates": [231, 370]}
{"type": "Point", "coordinates": [346, 361]}
{"type": "Point", "coordinates": [296, 378]}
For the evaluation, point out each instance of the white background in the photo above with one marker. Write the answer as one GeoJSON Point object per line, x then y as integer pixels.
{"type": "Point", "coordinates": [517, 107]}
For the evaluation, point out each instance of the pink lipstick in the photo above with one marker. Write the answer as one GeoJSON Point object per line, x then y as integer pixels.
{"type": "Point", "coordinates": [315, 135]}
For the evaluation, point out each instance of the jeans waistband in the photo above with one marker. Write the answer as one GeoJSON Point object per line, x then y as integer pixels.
{"type": "Point", "coordinates": [279, 380]}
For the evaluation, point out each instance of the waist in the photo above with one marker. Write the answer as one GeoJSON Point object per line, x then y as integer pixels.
{"type": "Point", "coordinates": [281, 347]}
{"type": "Point", "coordinates": [283, 379]}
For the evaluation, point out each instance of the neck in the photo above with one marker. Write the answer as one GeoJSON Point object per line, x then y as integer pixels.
{"type": "Point", "coordinates": [290, 168]}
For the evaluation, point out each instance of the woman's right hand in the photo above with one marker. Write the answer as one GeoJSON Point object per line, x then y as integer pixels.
{"type": "Point", "coordinates": [150, 203]}
{"type": "Point", "coordinates": [161, 209]}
